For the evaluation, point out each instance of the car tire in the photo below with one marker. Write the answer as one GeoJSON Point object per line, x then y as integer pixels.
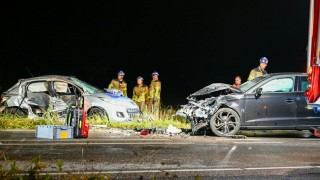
{"type": "Point", "coordinates": [97, 111]}
{"type": "Point", "coordinates": [16, 112]}
{"type": "Point", "coordinates": [225, 122]}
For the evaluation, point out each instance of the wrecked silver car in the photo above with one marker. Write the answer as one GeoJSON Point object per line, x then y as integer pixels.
{"type": "Point", "coordinates": [270, 102]}
{"type": "Point", "coordinates": [34, 97]}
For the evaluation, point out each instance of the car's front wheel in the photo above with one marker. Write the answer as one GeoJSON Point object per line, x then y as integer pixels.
{"type": "Point", "coordinates": [94, 112]}
{"type": "Point", "coordinates": [225, 122]}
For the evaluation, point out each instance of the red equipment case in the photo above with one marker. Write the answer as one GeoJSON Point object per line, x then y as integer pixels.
{"type": "Point", "coordinates": [76, 117]}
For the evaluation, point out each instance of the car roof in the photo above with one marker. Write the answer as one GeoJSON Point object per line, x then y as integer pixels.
{"type": "Point", "coordinates": [287, 73]}
{"type": "Point", "coordinates": [46, 77]}
{"type": "Point", "coordinates": [270, 75]}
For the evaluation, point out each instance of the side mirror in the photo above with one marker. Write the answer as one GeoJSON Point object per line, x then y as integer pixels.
{"type": "Point", "coordinates": [258, 92]}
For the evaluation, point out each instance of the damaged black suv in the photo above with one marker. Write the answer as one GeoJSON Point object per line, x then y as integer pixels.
{"type": "Point", "coordinates": [270, 102]}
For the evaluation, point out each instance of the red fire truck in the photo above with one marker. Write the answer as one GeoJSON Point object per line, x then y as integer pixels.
{"type": "Point", "coordinates": [313, 62]}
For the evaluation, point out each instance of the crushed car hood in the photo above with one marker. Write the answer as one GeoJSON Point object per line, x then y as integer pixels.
{"type": "Point", "coordinates": [116, 99]}
{"type": "Point", "coordinates": [215, 89]}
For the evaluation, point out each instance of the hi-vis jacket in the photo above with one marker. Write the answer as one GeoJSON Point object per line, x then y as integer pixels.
{"type": "Point", "coordinates": [256, 72]}
{"type": "Point", "coordinates": [155, 89]}
{"type": "Point", "coordinates": [140, 93]}
{"type": "Point", "coordinates": [121, 85]}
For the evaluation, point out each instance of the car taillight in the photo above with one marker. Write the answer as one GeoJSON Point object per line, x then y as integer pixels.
{"type": "Point", "coordinates": [306, 93]}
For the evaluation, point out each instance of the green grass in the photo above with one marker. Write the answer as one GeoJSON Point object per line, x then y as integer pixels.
{"type": "Point", "coordinates": [147, 120]}
{"type": "Point", "coordinates": [11, 169]}
{"type": "Point", "coordinates": [165, 118]}
{"type": "Point", "coordinates": [12, 122]}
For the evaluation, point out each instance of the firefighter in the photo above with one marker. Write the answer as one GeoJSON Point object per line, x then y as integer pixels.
{"type": "Point", "coordinates": [140, 92]}
{"type": "Point", "coordinates": [237, 81]}
{"type": "Point", "coordinates": [154, 94]}
{"type": "Point", "coordinates": [260, 70]}
{"type": "Point", "coordinates": [119, 83]}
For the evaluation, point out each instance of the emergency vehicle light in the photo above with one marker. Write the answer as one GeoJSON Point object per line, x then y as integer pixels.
{"type": "Point", "coordinates": [309, 70]}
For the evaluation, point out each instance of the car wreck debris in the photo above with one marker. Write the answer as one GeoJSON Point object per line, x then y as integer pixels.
{"type": "Point", "coordinates": [203, 105]}
{"type": "Point", "coordinates": [173, 130]}
{"type": "Point", "coordinates": [34, 97]}
{"type": "Point", "coordinates": [271, 102]}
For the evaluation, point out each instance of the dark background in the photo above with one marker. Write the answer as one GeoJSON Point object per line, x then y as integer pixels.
{"type": "Point", "coordinates": [190, 43]}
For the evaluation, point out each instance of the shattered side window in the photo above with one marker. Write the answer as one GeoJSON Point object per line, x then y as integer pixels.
{"type": "Point", "coordinates": [249, 84]}
{"type": "Point", "coordinates": [38, 87]}
{"type": "Point", "coordinates": [278, 85]}
{"type": "Point", "coordinates": [61, 87]}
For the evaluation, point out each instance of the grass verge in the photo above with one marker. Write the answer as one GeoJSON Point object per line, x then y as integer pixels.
{"type": "Point", "coordinates": [147, 120]}
{"type": "Point", "coordinates": [12, 122]}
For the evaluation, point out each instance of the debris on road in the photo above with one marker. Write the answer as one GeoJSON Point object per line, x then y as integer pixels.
{"type": "Point", "coordinates": [173, 130]}
{"type": "Point", "coordinates": [144, 132]}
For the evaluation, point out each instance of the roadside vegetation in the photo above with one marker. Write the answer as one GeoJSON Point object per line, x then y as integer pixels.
{"type": "Point", "coordinates": [11, 169]}
{"type": "Point", "coordinates": [37, 170]}
{"type": "Point", "coordinates": [146, 120]}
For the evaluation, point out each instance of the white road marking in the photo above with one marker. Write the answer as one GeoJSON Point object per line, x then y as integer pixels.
{"type": "Point", "coordinates": [230, 139]}
{"type": "Point", "coordinates": [181, 170]}
{"type": "Point", "coordinates": [201, 170]}
{"type": "Point", "coordinates": [120, 143]}
{"type": "Point", "coordinates": [258, 142]}
{"type": "Point", "coordinates": [288, 167]}
{"type": "Point", "coordinates": [227, 157]}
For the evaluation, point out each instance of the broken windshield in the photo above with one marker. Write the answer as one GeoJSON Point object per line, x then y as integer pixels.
{"type": "Point", "coordinates": [86, 87]}
{"type": "Point", "coordinates": [249, 84]}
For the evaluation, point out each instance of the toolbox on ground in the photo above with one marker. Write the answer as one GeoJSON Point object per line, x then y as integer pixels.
{"type": "Point", "coordinates": [54, 132]}
{"type": "Point", "coordinates": [76, 118]}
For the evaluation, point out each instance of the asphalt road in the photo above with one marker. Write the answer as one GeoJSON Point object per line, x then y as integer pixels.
{"type": "Point", "coordinates": [126, 154]}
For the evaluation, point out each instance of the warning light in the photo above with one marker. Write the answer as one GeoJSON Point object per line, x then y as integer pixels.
{"type": "Point", "coordinates": [309, 70]}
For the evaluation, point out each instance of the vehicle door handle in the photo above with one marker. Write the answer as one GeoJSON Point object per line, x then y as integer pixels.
{"type": "Point", "coordinates": [289, 101]}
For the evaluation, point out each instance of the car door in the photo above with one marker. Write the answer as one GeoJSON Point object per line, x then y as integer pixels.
{"type": "Point", "coordinates": [306, 115]}
{"type": "Point", "coordinates": [68, 93]}
{"type": "Point", "coordinates": [281, 104]}
{"type": "Point", "coordinates": [255, 112]}
{"type": "Point", "coordinates": [38, 94]}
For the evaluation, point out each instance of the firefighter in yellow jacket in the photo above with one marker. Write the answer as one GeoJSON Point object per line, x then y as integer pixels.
{"type": "Point", "coordinates": [154, 94]}
{"type": "Point", "coordinates": [119, 83]}
{"type": "Point", "coordinates": [140, 92]}
{"type": "Point", "coordinates": [260, 70]}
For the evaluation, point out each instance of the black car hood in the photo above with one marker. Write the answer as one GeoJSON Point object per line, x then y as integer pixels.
{"type": "Point", "coordinates": [215, 90]}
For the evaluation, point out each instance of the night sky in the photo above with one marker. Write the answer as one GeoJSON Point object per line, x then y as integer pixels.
{"type": "Point", "coordinates": [190, 43]}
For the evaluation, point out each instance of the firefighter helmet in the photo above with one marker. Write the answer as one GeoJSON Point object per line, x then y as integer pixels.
{"type": "Point", "coordinates": [121, 73]}
{"type": "Point", "coordinates": [264, 60]}
{"type": "Point", "coordinates": [155, 73]}
{"type": "Point", "coordinates": [140, 77]}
